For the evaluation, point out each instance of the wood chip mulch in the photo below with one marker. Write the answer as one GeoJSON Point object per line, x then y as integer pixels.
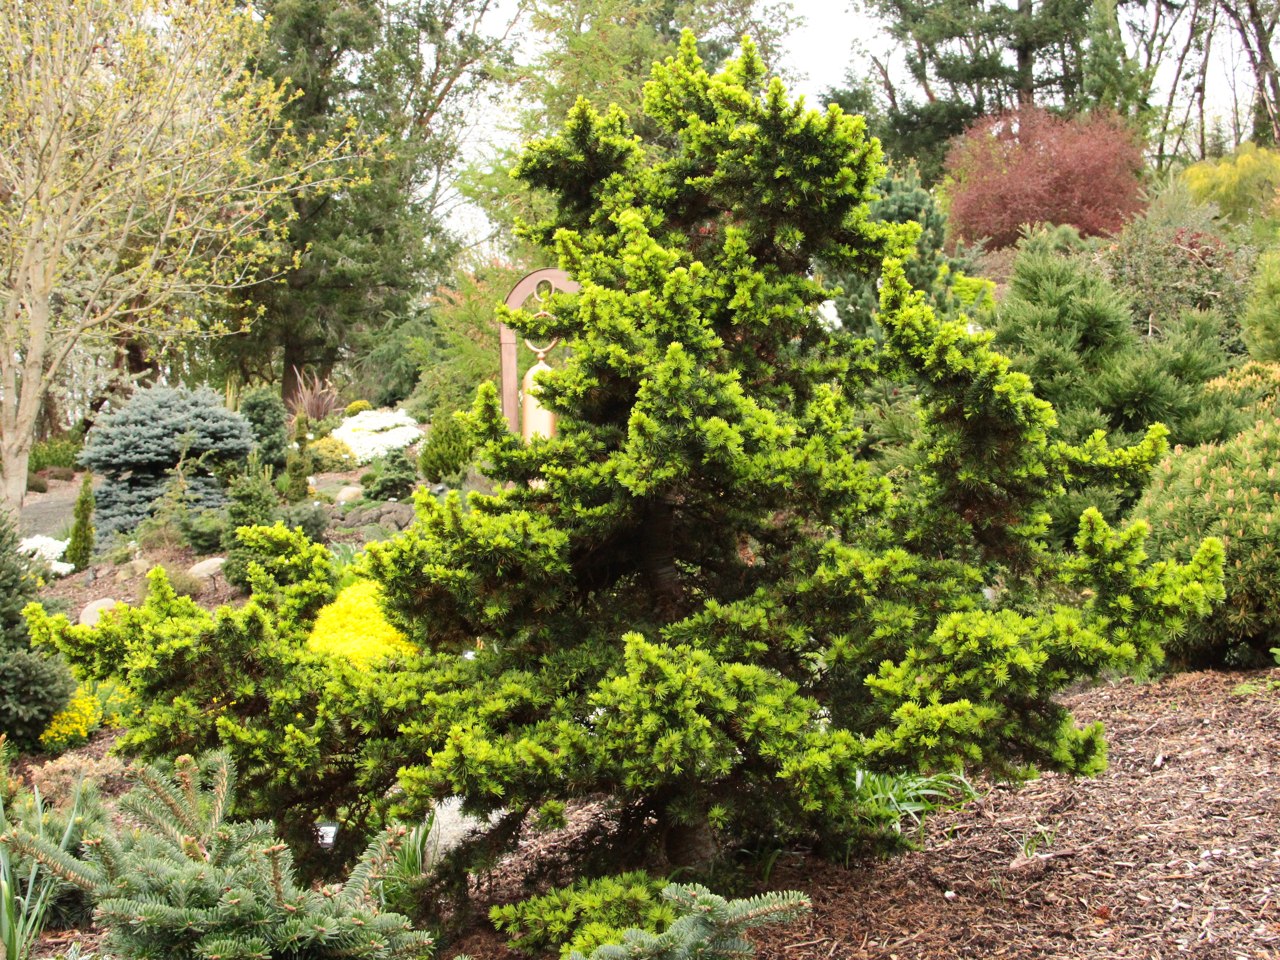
{"type": "Point", "coordinates": [1173, 852]}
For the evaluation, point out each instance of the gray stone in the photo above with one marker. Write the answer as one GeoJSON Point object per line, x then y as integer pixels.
{"type": "Point", "coordinates": [207, 569]}
{"type": "Point", "coordinates": [349, 495]}
{"type": "Point", "coordinates": [92, 612]}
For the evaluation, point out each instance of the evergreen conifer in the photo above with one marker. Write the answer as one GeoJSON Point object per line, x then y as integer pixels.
{"type": "Point", "coordinates": [80, 548]}
{"type": "Point", "coordinates": [185, 883]}
{"type": "Point", "coordinates": [695, 598]}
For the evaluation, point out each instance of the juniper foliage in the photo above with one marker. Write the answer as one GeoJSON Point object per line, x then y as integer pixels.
{"type": "Point", "coordinates": [696, 598]}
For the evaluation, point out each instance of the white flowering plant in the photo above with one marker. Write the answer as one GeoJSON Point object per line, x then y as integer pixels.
{"type": "Point", "coordinates": [48, 550]}
{"type": "Point", "coordinates": [375, 433]}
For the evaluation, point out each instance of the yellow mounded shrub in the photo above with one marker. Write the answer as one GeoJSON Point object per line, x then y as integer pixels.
{"type": "Point", "coordinates": [71, 726]}
{"type": "Point", "coordinates": [353, 627]}
{"type": "Point", "coordinates": [331, 455]}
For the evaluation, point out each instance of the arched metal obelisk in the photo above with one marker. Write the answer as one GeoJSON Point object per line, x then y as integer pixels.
{"type": "Point", "coordinates": [532, 285]}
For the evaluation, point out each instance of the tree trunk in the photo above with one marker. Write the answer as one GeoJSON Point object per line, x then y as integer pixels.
{"type": "Point", "coordinates": [15, 456]}
{"type": "Point", "coordinates": [657, 560]}
{"type": "Point", "coordinates": [690, 844]}
{"type": "Point", "coordinates": [294, 362]}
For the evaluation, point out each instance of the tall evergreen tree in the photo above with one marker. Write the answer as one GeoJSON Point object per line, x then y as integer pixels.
{"type": "Point", "coordinates": [695, 599]}
{"type": "Point", "coordinates": [357, 262]}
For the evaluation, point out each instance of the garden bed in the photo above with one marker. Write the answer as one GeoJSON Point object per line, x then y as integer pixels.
{"type": "Point", "coordinates": [1173, 852]}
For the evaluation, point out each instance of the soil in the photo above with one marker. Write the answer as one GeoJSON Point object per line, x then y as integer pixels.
{"type": "Point", "coordinates": [1173, 852]}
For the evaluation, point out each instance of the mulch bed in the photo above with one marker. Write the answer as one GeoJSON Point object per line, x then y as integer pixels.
{"type": "Point", "coordinates": [1173, 852]}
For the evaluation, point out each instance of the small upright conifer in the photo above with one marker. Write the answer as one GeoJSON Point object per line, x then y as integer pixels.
{"type": "Point", "coordinates": [80, 548]}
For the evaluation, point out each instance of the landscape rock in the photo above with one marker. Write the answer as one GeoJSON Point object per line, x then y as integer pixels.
{"type": "Point", "coordinates": [349, 495]}
{"type": "Point", "coordinates": [92, 612]}
{"type": "Point", "coordinates": [207, 569]}
{"type": "Point", "coordinates": [392, 516]}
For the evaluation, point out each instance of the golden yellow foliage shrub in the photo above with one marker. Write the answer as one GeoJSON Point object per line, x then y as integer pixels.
{"type": "Point", "coordinates": [354, 627]}
{"type": "Point", "coordinates": [72, 725]}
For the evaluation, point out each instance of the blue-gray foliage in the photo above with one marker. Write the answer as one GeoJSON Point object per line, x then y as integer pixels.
{"type": "Point", "coordinates": [137, 448]}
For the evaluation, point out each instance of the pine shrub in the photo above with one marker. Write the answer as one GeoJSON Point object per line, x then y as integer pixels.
{"type": "Point", "coordinates": [267, 417]}
{"type": "Point", "coordinates": [357, 406]}
{"type": "Point", "coordinates": [392, 477]}
{"type": "Point", "coordinates": [79, 550]}
{"type": "Point", "coordinates": [136, 449]}
{"type": "Point", "coordinates": [447, 451]}
{"type": "Point", "coordinates": [1230, 491]}
{"type": "Point", "coordinates": [184, 882]}
{"type": "Point", "coordinates": [311, 517]}
{"type": "Point", "coordinates": [34, 687]}
{"type": "Point", "coordinates": [1072, 332]}
{"type": "Point", "coordinates": [697, 599]}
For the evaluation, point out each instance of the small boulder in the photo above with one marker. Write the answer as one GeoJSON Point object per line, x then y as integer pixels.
{"type": "Point", "coordinates": [349, 495]}
{"type": "Point", "coordinates": [207, 569]}
{"type": "Point", "coordinates": [92, 612]}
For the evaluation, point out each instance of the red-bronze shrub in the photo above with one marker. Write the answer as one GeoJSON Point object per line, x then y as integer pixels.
{"type": "Point", "coordinates": [1030, 166]}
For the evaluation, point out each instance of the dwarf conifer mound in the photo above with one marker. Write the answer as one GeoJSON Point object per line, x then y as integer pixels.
{"type": "Point", "coordinates": [695, 599]}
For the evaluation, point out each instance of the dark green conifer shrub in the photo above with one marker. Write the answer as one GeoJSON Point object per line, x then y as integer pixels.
{"type": "Point", "coordinates": [33, 687]}
{"type": "Point", "coordinates": [297, 470]}
{"type": "Point", "coordinates": [17, 585]}
{"type": "Point", "coordinates": [447, 451]}
{"type": "Point", "coordinates": [184, 882]}
{"type": "Point", "coordinates": [1072, 332]}
{"type": "Point", "coordinates": [205, 530]}
{"type": "Point", "coordinates": [312, 518]}
{"type": "Point", "coordinates": [1231, 491]}
{"type": "Point", "coordinates": [252, 503]}
{"type": "Point", "coordinates": [268, 419]}
{"type": "Point", "coordinates": [135, 449]}
{"type": "Point", "coordinates": [79, 550]}
{"type": "Point", "coordinates": [696, 598]}
{"type": "Point", "coordinates": [392, 477]}
{"type": "Point", "coordinates": [586, 914]}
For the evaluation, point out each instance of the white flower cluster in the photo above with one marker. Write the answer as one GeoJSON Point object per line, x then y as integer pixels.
{"type": "Point", "coordinates": [48, 550]}
{"type": "Point", "coordinates": [375, 433]}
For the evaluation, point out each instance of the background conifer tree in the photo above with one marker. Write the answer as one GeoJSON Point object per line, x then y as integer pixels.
{"type": "Point", "coordinates": [696, 599]}
{"type": "Point", "coordinates": [80, 548]}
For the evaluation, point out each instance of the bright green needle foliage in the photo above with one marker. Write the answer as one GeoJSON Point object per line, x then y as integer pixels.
{"type": "Point", "coordinates": [696, 599]}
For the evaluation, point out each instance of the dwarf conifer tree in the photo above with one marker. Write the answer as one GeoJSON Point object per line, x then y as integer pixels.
{"type": "Point", "coordinates": [695, 598]}
{"type": "Point", "coordinates": [80, 549]}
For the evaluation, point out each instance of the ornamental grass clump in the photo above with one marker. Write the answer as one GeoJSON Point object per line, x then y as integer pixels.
{"type": "Point", "coordinates": [184, 882]}
{"type": "Point", "coordinates": [698, 600]}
